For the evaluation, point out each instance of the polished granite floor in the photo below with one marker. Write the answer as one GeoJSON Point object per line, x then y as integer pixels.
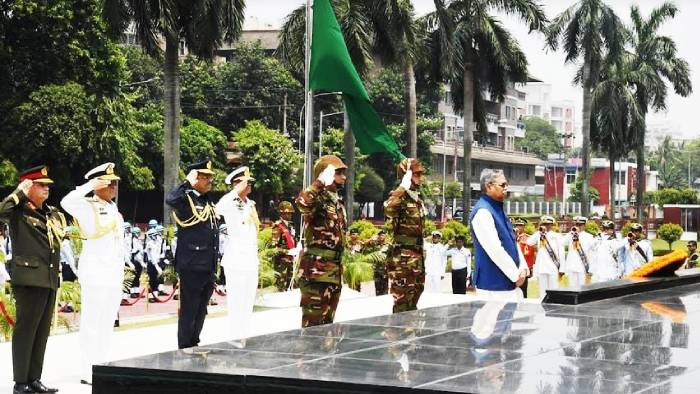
{"type": "Point", "coordinates": [640, 343]}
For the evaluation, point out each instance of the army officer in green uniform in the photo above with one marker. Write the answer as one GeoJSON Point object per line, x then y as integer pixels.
{"type": "Point", "coordinates": [36, 230]}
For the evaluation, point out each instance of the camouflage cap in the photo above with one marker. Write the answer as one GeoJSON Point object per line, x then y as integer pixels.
{"type": "Point", "coordinates": [608, 224]}
{"type": "Point", "coordinates": [286, 207]}
{"type": "Point", "coordinates": [325, 161]}
{"type": "Point", "coordinates": [412, 164]}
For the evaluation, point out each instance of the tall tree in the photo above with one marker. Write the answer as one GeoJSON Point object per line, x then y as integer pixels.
{"type": "Point", "coordinates": [656, 58]}
{"type": "Point", "coordinates": [200, 25]}
{"type": "Point", "coordinates": [615, 115]}
{"type": "Point", "coordinates": [588, 30]}
{"type": "Point", "coordinates": [475, 53]}
{"type": "Point", "coordinates": [396, 41]}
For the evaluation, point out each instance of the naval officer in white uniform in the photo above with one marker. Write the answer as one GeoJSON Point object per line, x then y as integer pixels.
{"type": "Point", "coordinates": [101, 269]}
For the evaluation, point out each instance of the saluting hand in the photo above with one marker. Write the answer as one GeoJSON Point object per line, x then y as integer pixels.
{"type": "Point", "coordinates": [240, 186]}
{"type": "Point", "coordinates": [98, 184]}
{"type": "Point", "coordinates": [192, 177]}
{"type": "Point", "coordinates": [406, 180]}
{"type": "Point", "coordinates": [327, 176]}
{"type": "Point", "coordinates": [25, 185]}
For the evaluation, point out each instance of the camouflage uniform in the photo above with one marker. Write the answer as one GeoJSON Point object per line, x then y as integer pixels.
{"type": "Point", "coordinates": [320, 269]}
{"type": "Point", "coordinates": [283, 261]}
{"type": "Point", "coordinates": [405, 267]}
{"type": "Point", "coordinates": [381, 277]}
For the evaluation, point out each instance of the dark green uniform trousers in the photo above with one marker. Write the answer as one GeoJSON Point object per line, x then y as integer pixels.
{"type": "Point", "coordinates": [35, 307]}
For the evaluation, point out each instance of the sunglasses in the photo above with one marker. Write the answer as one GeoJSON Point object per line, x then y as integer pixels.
{"type": "Point", "coordinates": [502, 185]}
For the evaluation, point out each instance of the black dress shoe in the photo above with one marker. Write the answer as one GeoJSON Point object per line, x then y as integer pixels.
{"type": "Point", "coordinates": [22, 388]}
{"type": "Point", "coordinates": [40, 388]}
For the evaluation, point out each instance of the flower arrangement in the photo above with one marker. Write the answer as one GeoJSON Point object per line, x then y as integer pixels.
{"type": "Point", "coordinates": [661, 266]}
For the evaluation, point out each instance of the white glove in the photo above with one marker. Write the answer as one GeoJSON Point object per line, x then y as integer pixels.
{"type": "Point", "coordinates": [192, 177]}
{"type": "Point", "coordinates": [240, 186]}
{"type": "Point", "coordinates": [98, 184]}
{"type": "Point", "coordinates": [131, 266]}
{"type": "Point", "coordinates": [406, 180]}
{"type": "Point", "coordinates": [327, 176]}
{"type": "Point", "coordinates": [160, 270]}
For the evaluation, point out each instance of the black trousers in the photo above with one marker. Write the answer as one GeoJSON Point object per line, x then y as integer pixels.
{"type": "Point", "coordinates": [35, 306]}
{"type": "Point", "coordinates": [459, 281]}
{"type": "Point", "coordinates": [196, 289]}
{"type": "Point", "coordinates": [67, 273]}
{"type": "Point", "coordinates": [153, 279]}
{"type": "Point", "coordinates": [138, 270]}
{"type": "Point", "coordinates": [381, 281]}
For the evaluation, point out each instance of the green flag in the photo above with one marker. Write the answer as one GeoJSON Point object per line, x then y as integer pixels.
{"type": "Point", "coordinates": [332, 70]}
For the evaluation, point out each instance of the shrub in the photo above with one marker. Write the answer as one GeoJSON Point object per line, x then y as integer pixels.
{"type": "Point", "coordinates": [670, 233]}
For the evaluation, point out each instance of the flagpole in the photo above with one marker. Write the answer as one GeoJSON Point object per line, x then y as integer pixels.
{"type": "Point", "coordinates": [309, 102]}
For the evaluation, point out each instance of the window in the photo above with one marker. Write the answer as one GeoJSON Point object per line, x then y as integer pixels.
{"type": "Point", "coordinates": [570, 175]}
{"type": "Point", "coordinates": [556, 112]}
{"type": "Point", "coordinates": [508, 112]}
{"type": "Point", "coordinates": [182, 48]}
{"type": "Point", "coordinates": [621, 178]}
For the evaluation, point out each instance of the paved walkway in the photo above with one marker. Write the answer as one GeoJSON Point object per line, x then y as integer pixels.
{"type": "Point", "coordinates": [63, 357]}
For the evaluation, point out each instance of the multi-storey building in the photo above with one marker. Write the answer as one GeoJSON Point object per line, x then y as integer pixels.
{"type": "Point", "coordinates": [560, 113]}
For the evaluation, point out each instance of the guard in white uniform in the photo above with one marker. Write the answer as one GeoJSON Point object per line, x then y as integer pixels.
{"type": "Point", "coordinates": [135, 251]}
{"type": "Point", "coordinates": [637, 250]}
{"type": "Point", "coordinates": [579, 257]}
{"type": "Point", "coordinates": [101, 262]}
{"type": "Point", "coordinates": [435, 262]}
{"type": "Point", "coordinates": [607, 261]}
{"type": "Point", "coordinates": [240, 260]}
{"type": "Point", "coordinates": [550, 254]}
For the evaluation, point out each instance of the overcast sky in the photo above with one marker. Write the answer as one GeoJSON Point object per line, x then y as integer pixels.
{"type": "Point", "coordinates": [549, 67]}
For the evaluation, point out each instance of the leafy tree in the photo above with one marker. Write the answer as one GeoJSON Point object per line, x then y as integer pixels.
{"type": "Point", "coordinates": [541, 138]}
{"type": "Point", "coordinates": [8, 174]}
{"type": "Point", "coordinates": [201, 141]}
{"type": "Point", "coordinates": [673, 196]}
{"type": "Point", "coordinates": [668, 161]}
{"type": "Point", "coordinates": [453, 190]}
{"type": "Point", "coordinates": [385, 89]}
{"type": "Point", "coordinates": [575, 191]}
{"type": "Point", "coordinates": [656, 59]}
{"type": "Point", "coordinates": [200, 24]}
{"type": "Point", "coordinates": [271, 157]}
{"type": "Point", "coordinates": [144, 76]}
{"type": "Point", "coordinates": [54, 42]}
{"type": "Point", "coordinates": [371, 188]}
{"type": "Point", "coordinates": [670, 232]}
{"type": "Point", "coordinates": [588, 30]}
{"type": "Point", "coordinates": [473, 53]}
{"type": "Point", "coordinates": [59, 120]}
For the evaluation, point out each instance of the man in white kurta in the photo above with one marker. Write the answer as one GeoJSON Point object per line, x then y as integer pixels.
{"type": "Point", "coordinates": [435, 262]}
{"type": "Point", "coordinates": [548, 259]}
{"type": "Point", "coordinates": [580, 244]}
{"type": "Point", "coordinates": [240, 260]}
{"type": "Point", "coordinates": [101, 269]}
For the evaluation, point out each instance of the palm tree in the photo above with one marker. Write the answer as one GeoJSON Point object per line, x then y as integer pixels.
{"type": "Point", "coordinates": [200, 24]}
{"type": "Point", "coordinates": [475, 53]}
{"type": "Point", "coordinates": [615, 115]}
{"type": "Point", "coordinates": [397, 42]}
{"type": "Point", "coordinates": [587, 29]}
{"type": "Point", "coordinates": [354, 18]}
{"type": "Point", "coordinates": [655, 57]}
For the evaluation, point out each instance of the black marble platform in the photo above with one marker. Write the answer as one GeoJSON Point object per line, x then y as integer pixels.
{"type": "Point", "coordinates": [576, 295]}
{"type": "Point", "coordinates": [639, 343]}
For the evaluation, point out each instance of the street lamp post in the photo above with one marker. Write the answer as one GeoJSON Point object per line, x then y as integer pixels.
{"type": "Point", "coordinates": [320, 129]}
{"type": "Point", "coordinates": [444, 165]}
